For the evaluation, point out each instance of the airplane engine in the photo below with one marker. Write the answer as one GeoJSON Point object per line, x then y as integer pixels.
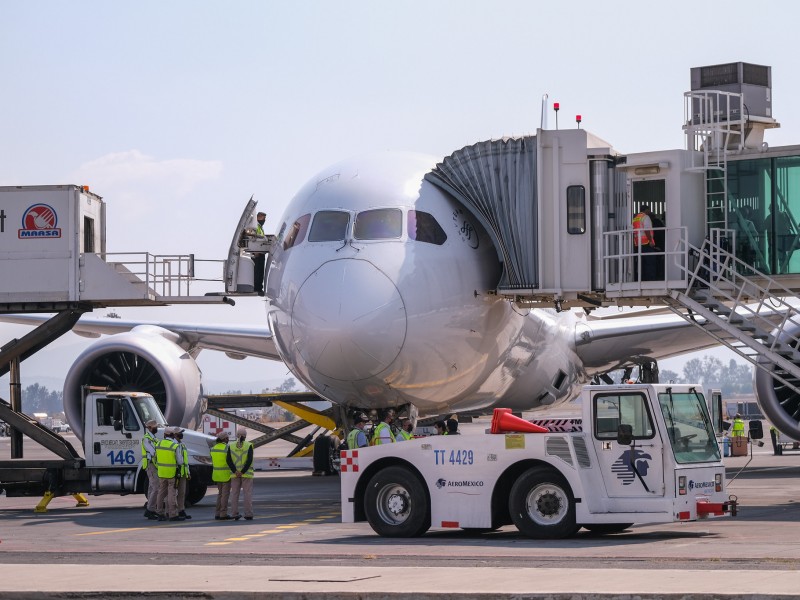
{"type": "Point", "coordinates": [145, 359]}
{"type": "Point", "coordinates": [779, 403]}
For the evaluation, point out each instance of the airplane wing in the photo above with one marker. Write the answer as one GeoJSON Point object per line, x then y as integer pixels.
{"type": "Point", "coordinates": [237, 342]}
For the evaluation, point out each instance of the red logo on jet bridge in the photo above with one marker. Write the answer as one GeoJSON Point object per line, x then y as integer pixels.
{"type": "Point", "coordinates": [39, 221]}
{"type": "Point", "coordinates": [349, 461]}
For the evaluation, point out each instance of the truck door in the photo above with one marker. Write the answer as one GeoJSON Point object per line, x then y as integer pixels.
{"type": "Point", "coordinates": [105, 443]}
{"type": "Point", "coordinates": [628, 471]}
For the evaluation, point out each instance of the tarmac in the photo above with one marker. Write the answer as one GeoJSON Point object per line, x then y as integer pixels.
{"type": "Point", "coordinates": [297, 548]}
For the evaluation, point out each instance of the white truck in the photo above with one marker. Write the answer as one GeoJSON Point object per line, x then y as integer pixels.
{"type": "Point", "coordinates": [639, 453]}
{"type": "Point", "coordinates": [112, 435]}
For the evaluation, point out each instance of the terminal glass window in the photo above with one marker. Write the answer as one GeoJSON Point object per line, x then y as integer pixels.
{"type": "Point", "coordinates": [329, 226]}
{"type": "Point", "coordinates": [297, 233]}
{"type": "Point", "coordinates": [423, 227]}
{"type": "Point", "coordinates": [689, 428]}
{"type": "Point", "coordinates": [576, 209]}
{"type": "Point", "coordinates": [613, 410]}
{"type": "Point", "coordinates": [379, 224]}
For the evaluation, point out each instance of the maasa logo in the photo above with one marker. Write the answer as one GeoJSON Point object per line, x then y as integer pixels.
{"type": "Point", "coordinates": [39, 221]}
{"type": "Point", "coordinates": [624, 471]}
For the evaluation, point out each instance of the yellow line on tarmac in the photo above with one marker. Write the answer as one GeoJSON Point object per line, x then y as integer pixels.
{"type": "Point", "coordinates": [217, 543]}
{"type": "Point", "coordinates": [237, 539]}
{"type": "Point", "coordinates": [112, 531]}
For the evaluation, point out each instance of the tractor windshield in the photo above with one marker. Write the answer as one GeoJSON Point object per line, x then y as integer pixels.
{"type": "Point", "coordinates": [689, 427]}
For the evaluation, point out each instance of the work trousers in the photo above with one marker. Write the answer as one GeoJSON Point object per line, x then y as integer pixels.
{"type": "Point", "coordinates": [181, 489]}
{"type": "Point", "coordinates": [167, 492]}
{"type": "Point", "coordinates": [152, 487]}
{"type": "Point", "coordinates": [223, 495]}
{"type": "Point", "coordinates": [246, 485]}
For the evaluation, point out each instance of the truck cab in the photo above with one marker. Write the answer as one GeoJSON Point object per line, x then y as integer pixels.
{"type": "Point", "coordinates": [639, 454]}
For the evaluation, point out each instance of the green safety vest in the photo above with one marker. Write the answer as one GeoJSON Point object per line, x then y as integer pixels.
{"type": "Point", "coordinates": [150, 436]}
{"type": "Point", "coordinates": [738, 428]}
{"type": "Point", "coordinates": [239, 455]}
{"type": "Point", "coordinates": [376, 436]}
{"type": "Point", "coordinates": [166, 460]}
{"type": "Point", "coordinates": [405, 435]}
{"type": "Point", "coordinates": [352, 438]}
{"type": "Point", "coordinates": [219, 459]}
{"type": "Point", "coordinates": [184, 468]}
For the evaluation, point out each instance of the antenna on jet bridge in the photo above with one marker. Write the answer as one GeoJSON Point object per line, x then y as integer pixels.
{"type": "Point", "coordinates": [543, 120]}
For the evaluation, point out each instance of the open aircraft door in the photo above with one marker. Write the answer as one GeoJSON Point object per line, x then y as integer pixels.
{"type": "Point", "coordinates": [239, 267]}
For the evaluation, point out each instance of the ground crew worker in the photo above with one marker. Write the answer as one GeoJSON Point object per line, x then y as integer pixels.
{"type": "Point", "coordinates": [240, 462]}
{"type": "Point", "coordinates": [183, 476]}
{"type": "Point", "coordinates": [383, 432]}
{"type": "Point", "coordinates": [259, 258]}
{"type": "Point", "coordinates": [441, 427]}
{"type": "Point", "coordinates": [357, 438]}
{"type": "Point", "coordinates": [221, 475]}
{"type": "Point", "coordinates": [644, 242]}
{"type": "Point", "coordinates": [149, 442]}
{"type": "Point", "coordinates": [452, 427]}
{"type": "Point", "coordinates": [738, 426]}
{"type": "Point", "coordinates": [406, 431]}
{"type": "Point", "coordinates": [167, 464]}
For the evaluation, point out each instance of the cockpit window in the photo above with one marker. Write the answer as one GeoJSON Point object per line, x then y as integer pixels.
{"type": "Point", "coordinates": [329, 226]}
{"type": "Point", "coordinates": [379, 224]}
{"type": "Point", "coordinates": [423, 227]}
{"type": "Point", "coordinates": [297, 233]}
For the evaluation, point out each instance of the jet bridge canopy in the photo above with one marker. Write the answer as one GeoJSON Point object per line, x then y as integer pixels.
{"type": "Point", "coordinates": [496, 181]}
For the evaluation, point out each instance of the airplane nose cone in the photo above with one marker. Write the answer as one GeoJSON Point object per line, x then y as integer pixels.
{"type": "Point", "coordinates": [348, 320]}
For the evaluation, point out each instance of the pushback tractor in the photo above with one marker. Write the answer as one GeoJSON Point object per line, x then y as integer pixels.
{"type": "Point", "coordinates": [637, 454]}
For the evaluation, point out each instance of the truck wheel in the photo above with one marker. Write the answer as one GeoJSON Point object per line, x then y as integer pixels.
{"type": "Point", "coordinates": [606, 528]}
{"type": "Point", "coordinates": [542, 505]}
{"type": "Point", "coordinates": [324, 453]}
{"type": "Point", "coordinates": [396, 504]}
{"type": "Point", "coordinates": [194, 493]}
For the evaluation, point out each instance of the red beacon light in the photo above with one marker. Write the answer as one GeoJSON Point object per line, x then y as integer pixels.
{"type": "Point", "coordinates": [578, 120]}
{"type": "Point", "coordinates": [556, 106]}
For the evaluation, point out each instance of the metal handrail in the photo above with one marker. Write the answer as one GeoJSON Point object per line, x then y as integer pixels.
{"type": "Point", "coordinates": [162, 274]}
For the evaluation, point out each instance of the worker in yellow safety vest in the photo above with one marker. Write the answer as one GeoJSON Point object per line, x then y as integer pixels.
{"type": "Point", "coordinates": [221, 475]}
{"type": "Point", "coordinates": [383, 432]}
{"type": "Point", "coordinates": [738, 426]}
{"type": "Point", "coordinates": [167, 465]}
{"type": "Point", "coordinates": [149, 442]}
{"type": "Point", "coordinates": [406, 431]}
{"type": "Point", "coordinates": [259, 258]}
{"type": "Point", "coordinates": [183, 476]}
{"type": "Point", "coordinates": [240, 462]}
{"type": "Point", "coordinates": [357, 438]}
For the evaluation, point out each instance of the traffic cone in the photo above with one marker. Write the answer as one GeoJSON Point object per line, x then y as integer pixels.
{"type": "Point", "coordinates": [504, 422]}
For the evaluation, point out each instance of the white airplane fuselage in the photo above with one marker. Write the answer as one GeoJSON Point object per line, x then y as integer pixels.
{"type": "Point", "coordinates": [391, 321]}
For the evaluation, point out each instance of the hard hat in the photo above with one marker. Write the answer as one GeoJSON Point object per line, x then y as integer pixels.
{"type": "Point", "coordinates": [177, 430]}
{"type": "Point", "coordinates": [223, 435]}
{"type": "Point", "coordinates": [241, 431]}
{"type": "Point", "coordinates": [151, 423]}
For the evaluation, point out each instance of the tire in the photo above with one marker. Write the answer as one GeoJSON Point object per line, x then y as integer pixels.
{"type": "Point", "coordinates": [542, 505]}
{"type": "Point", "coordinates": [606, 528]}
{"type": "Point", "coordinates": [324, 453]}
{"type": "Point", "coordinates": [396, 504]}
{"type": "Point", "coordinates": [194, 493]}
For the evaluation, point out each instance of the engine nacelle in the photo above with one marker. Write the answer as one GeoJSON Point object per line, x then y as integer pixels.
{"type": "Point", "coordinates": [779, 403]}
{"type": "Point", "coordinates": [145, 359]}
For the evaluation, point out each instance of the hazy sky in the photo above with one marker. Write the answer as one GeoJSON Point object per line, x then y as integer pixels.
{"type": "Point", "coordinates": [177, 112]}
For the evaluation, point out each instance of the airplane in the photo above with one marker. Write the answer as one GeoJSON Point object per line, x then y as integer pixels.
{"type": "Point", "coordinates": [379, 294]}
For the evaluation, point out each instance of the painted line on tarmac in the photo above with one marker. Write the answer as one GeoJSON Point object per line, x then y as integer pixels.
{"type": "Point", "coordinates": [111, 531]}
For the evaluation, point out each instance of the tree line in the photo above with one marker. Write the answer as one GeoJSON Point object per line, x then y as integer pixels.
{"type": "Point", "coordinates": [733, 379]}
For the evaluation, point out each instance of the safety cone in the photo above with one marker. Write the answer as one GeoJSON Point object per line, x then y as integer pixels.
{"type": "Point", "coordinates": [504, 422]}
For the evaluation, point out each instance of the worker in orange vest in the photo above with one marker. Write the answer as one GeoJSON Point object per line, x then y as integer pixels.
{"type": "Point", "coordinates": [644, 242]}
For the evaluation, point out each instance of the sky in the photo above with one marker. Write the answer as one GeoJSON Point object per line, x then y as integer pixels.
{"type": "Point", "coordinates": [178, 112]}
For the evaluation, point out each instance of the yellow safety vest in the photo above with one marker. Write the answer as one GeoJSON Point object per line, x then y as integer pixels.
{"type": "Point", "coordinates": [166, 460]}
{"type": "Point", "coordinates": [352, 438]}
{"type": "Point", "coordinates": [738, 428]}
{"type": "Point", "coordinates": [152, 438]}
{"type": "Point", "coordinates": [184, 468]}
{"type": "Point", "coordinates": [376, 436]}
{"type": "Point", "coordinates": [405, 435]}
{"type": "Point", "coordinates": [219, 459]}
{"type": "Point", "coordinates": [239, 455]}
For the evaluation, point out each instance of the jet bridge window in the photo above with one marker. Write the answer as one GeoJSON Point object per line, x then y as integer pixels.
{"type": "Point", "coordinates": [379, 224]}
{"type": "Point", "coordinates": [297, 233]}
{"type": "Point", "coordinates": [329, 226]}
{"type": "Point", "coordinates": [576, 209]}
{"type": "Point", "coordinates": [423, 227]}
{"type": "Point", "coordinates": [613, 410]}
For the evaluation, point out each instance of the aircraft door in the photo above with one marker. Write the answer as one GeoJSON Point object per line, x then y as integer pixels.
{"type": "Point", "coordinates": [634, 470]}
{"type": "Point", "coordinates": [239, 267]}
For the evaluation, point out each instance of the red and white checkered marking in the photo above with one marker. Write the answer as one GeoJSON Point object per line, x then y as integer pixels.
{"type": "Point", "coordinates": [349, 461]}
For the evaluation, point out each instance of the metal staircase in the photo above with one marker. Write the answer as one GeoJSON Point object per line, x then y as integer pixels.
{"type": "Point", "coordinates": [743, 309]}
